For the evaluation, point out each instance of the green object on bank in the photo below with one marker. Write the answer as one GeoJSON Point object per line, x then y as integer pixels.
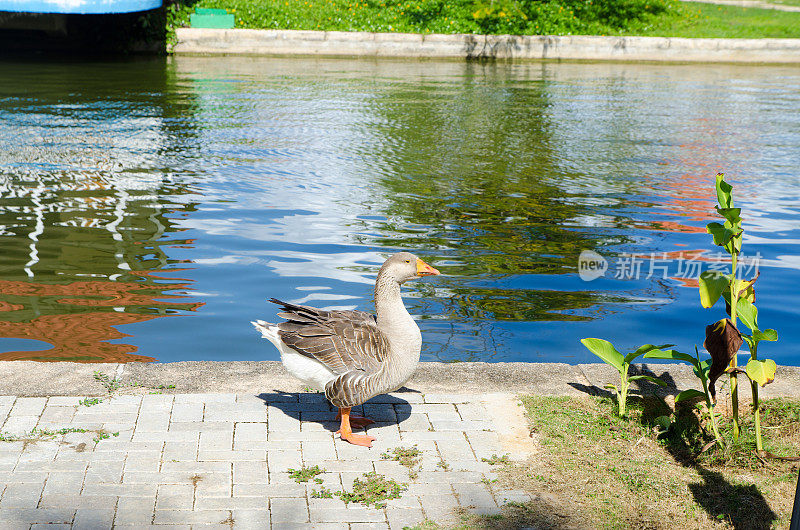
{"type": "Point", "coordinates": [211, 18]}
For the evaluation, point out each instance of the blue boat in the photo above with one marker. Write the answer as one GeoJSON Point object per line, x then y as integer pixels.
{"type": "Point", "coordinates": [78, 7]}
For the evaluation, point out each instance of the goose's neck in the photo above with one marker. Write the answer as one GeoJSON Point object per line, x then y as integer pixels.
{"type": "Point", "coordinates": [393, 319]}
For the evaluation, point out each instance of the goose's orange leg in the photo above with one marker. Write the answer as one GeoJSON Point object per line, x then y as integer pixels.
{"type": "Point", "coordinates": [347, 432]}
{"type": "Point", "coordinates": [356, 421]}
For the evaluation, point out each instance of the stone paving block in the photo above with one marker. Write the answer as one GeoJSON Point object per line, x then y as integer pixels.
{"type": "Point", "coordinates": [471, 465]}
{"type": "Point", "coordinates": [280, 461]}
{"type": "Point", "coordinates": [20, 424]}
{"type": "Point", "coordinates": [250, 432]}
{"type": "Point", "coordinates": [197, 426]}
{"type": "Point", "coordinates": [104, 472]}
{"type": "Point", "coordinates": [21, 496]}
{"type": "Point", "coordinates": [400, 518]}
{"type": "Point", "coordinates": [280, 421]}
{"type": "Point", "coordinates": [461, 425]}
{"type": "Point", "coordinates": [350, 515]}
{"type": "Point", "coordinates": [183, 412]}
{"type": "Point", "coordinates": [439, 411]}
{"type": "Point", "coordinates": [213, 485]}
{"type": "Point", "coordinates": [456, 449]}
{"type": "Point", "coordinates": [348, 451]}
{"type": "Point", "coordinates": [288, 511]}
{"type": "Point", "coordinates": [41, 452]}
{"type": "Point", "coordinates": [248, 519]}
{"type": "Point", "coordinates": [329, 427]}
{"type": "Point", "coordinates": [215, 441]}
{"type": "Point", "coordinates": [236, 415]}
{"type": "Point", "coordinates": [387, 434]}
{"type": "Point", "coordinates": [163, 436]}
{"type": "Point", "coordinates": [120, 490]}
{"type": "Point", "coordinates": [476, 497]}
{"type": "Point", "coordinates": [29, 477]}
{"type": "Point", "coordinates": [420, 436]}
{"type": "Point", "coordinates": [312, 397]}
{"type": "Point", "coordinates": [318, 416]}
{"type": "Point", "coordinates": [218, 398]}
{"type": "Point", "coordinates": [453, 398]}
{"type": "Point", "coordinates": [447, 477]}
{"type": "Point", "coordinates": [144, 461]}
{"type": "Point", "coordinates": [48, 526]}
{"type": "Point", "coordinates": [155, 477]}
{"type": "Point", "coordinates": [191, 467]}
{"type": "Point", "coordinates": [250, 473]}
{"type": "Point", "coordinates": [231, 503]}
{"type": "Point", "coordinates": [74, 501]}
{"type": "Point", "coordinates": [65, 483]}
{"type": "Point", "coordinates": [35, 515]}
{"type": "Point", "coordinates": [485, 444]}
{"type": "Point", "coordinates": [63, 401]}
{"type": "Point", "coordinates": [180, 451]}
{"type": "Point", "coordinates": [14, 525]}
{"type": "Point", "coordinates": [152, 422]}
{"type": "Point", "coordinates": [93, 518]}
{"type": "Point", "coordinates": [280, 490]}
{"type": "Point", "coordinates": [439, 508]}
{"type": "Point", "coordinates": [398, 398]}
{"type": "Point", "coordinates": [136, 511]}
{"type": "Point", "coordinates": [288, 436]}
{"type": "Point", "coordinates": [314, 451]}
{"type": "Point", "coordinates": [192, 517]}
{"type": "Point", "coordinates": [57, 415]}
{"type": "Point", "coordinates": [337, 466]}
{"type": "Point", "coordinates": [415, 422]}
{"type": "Point", "coordinates": [380, 412]}
{"type": "Point", "coordinates": [369, 526]}
{"type": "Point", "coordinates": [58, 466]}
{"type": "Point", "coordinates": [472, 411]}
{"type": "Point", "coordinates": [174, 497]}
{"type": "Point", "coordinates": [222, 455]}
{"type": "Point", "coordinates": [155, 403]}
{"type": "Point", "coordinates": [28, 406]}
{"type": "Point", "coordinates": [393, 470]}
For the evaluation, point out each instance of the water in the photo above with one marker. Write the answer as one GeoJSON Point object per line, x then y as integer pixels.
{"type": "Point", "coordinates": [148, 209]}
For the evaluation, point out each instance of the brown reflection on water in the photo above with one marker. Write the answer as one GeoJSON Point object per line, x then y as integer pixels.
{"type": "Point", "coordinates": [80, 335]}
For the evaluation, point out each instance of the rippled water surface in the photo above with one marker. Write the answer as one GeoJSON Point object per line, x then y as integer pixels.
{"type": "Point", "coordinates": [148, 209]}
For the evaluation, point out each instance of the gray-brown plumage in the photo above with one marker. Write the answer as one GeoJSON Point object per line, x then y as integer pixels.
{"type": "Point", "coordinates": [352, 355]}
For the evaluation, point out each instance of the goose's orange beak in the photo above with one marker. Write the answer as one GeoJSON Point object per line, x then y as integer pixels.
{"type": "Point", "coordinates": [423, 269]}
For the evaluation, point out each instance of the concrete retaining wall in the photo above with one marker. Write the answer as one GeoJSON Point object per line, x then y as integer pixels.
{"type": "Point", "coordinates": [466, 46]}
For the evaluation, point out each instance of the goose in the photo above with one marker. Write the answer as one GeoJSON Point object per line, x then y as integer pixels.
{"type": "Point", "coordinates": [352, 356]}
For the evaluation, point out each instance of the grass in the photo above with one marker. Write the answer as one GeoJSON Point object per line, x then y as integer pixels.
{"type": "Point", "coordinates": [409, 457]}
{"type": "Point", "coordinates": [304, 474]}
{"type": "Point", "coordinates": [89, 402]}
{"type": "Point", "coordinates": [373, 490]}
{"type": "Point", "coordinates": [667, 18]}
{"type": "Point", "coordinates": [596, 470]}
{"type": "Point", "coordinates": [46, 434]}
{"type": "Point", "coordinates": [698, 20]}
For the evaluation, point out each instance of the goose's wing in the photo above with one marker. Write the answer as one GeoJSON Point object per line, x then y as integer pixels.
{"type": "Point", "coordinates": [341, 340]}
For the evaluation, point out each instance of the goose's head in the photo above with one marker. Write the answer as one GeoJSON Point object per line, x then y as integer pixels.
{"type": "Point", "coordinates": [405, 266]}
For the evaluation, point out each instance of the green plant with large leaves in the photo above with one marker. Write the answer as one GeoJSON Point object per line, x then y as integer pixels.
{"type": "Point", "coordinates": [702, 369]}
{"type": "Point", "coordinates": [609, 354]}
{"type": "Point", "coordinates": [723, 338]}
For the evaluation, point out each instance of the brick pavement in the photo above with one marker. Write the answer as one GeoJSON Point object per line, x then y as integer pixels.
{"type": "Point", "coordinates": [222, 460]}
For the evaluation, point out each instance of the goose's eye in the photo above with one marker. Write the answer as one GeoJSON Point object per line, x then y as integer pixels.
{"type": "Point", "coordinates": [408, 261]}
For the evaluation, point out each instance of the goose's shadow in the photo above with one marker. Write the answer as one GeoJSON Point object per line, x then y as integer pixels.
{"type": "Point", "coordinates": [305, 407]}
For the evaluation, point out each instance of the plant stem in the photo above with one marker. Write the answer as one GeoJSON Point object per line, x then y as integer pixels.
{"type": "Point", "coordinates": [756, 404]}
{"type": "Point", "coordinates": [622, 397]}
{"type": "Point", "coordinates": [709, 403]}
{"type": "Point", "coordinates": [734, 363]}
